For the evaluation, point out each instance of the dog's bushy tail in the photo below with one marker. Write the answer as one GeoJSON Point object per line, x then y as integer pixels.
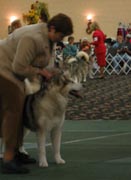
{"type": "Point", "coordinates": [83, 55]}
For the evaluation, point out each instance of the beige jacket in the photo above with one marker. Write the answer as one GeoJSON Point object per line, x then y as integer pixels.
{"type": "Point", "coordinates": [24, 51]}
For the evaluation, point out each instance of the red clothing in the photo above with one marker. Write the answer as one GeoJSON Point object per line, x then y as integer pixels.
{"type": "Point", "coordinates": [101, 60]}
{"type": "Point", "coordinates": [85, 47]}
{"type": "Point", "coordinates": [100, 48]}
{"type": "Point", "coordinates": [98, 41]}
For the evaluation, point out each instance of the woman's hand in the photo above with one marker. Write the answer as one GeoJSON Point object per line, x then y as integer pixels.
{"type": "Point", "coordinates": [43, 72]}
{"type": "Point", "coordinates": [49, 74]}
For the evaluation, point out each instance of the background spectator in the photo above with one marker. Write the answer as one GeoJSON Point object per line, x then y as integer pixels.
{"type": "Point", "coordinates": [59, 53]}
{"type": "Point", "coordinates": [70, 49]}
{"type": "Point", "coordinates": [86, 47]}
{"type": "Point", "coordinates": [15, 25]}
{"type": "Point", "coordinates": [99, 45]}
{"type": "Point", "coordinates": [123, 56]}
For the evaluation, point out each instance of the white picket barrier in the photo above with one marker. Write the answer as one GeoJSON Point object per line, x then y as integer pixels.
{"type": "Point", "coordinates": [123, 66]}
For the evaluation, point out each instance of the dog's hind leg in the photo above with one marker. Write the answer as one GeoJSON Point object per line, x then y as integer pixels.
{"type": "Point", "coordinates": [84, 75]}
{"type": "Point", "coordinates": [56, 143]}
{"type": "Point", "coordinates": [42, 148]}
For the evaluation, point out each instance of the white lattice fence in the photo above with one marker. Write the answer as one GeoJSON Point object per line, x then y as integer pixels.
{"type": "Point", "coordinates": [111, 69]}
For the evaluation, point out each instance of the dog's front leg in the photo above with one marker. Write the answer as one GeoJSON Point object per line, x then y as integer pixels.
{"type": "Point", "coordinates": [22, 148]}
{"type": "Point", "coordinates": [41, 136]}
{"type": "Point", "coordinates": [56, 143]}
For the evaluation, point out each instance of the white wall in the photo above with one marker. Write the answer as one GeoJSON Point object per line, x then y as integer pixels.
{"type": "Point", "coordinates": [107, 12]}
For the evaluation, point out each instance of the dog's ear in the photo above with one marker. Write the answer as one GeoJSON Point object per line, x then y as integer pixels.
{"type": "Point", "coordinates": [66, 73]}
{"type": "Point", "coordinates": [57, 78]}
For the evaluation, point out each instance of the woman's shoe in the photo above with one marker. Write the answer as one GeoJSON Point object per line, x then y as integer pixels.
{"type": "Point", "coordinates": [101, 77]}
{"type": "Point", "coordinates": [24, 158]}
{"type": "Point", "coordinates": [12, 167]}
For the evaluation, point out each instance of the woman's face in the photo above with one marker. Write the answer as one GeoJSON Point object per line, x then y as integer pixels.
{"type": "Point", "coordinates": [55, 36]}
{"type": "Point", "coordinates": [119, 39]}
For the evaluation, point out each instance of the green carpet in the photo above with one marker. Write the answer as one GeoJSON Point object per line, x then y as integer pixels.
{"type": "Point", "coordinates": [93, 150]}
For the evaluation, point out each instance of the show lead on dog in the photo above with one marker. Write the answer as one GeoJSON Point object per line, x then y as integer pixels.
{"type": "Point", "coordinates": [25, 53]}
{"type": "Point", "coordinates": [99, 43]}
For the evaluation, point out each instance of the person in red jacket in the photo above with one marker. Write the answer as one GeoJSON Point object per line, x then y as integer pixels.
{"type": "Point", "coordinates": [99, 45]}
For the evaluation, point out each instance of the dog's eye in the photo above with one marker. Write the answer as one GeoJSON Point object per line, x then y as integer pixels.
{"type": "Point", "coordinates": [70, 81]}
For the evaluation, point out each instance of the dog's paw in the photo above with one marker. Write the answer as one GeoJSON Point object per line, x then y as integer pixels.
{"type": "Point", "coordinates": [59, 160]}
{"type": "Point", "coordinates": [43, 163]}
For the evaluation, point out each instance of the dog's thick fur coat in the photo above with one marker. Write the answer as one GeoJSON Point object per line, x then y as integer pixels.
{"type": "Point", "coordinates": [49, 113]}
{"type": "Point", "coordinates": [78, 66]}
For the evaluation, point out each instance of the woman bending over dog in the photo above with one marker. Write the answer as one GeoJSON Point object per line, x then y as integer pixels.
{"type": "Point", "coordinates": [25, 53]}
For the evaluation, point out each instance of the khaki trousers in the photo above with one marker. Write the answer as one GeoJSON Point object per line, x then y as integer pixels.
{"type": "Point", "coordinates": [11, 109]}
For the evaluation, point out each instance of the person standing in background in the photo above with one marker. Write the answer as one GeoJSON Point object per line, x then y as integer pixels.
{"type": "Point", "coordinates": [99, 45]}
{"type": "Point", "coordinates": [86, 47]}
{"type": "Point", "coordinates": [15, 25]}
{"type": "Point", "coordinates": [70, 49]}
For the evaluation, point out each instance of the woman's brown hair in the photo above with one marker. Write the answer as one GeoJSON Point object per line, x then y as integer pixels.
{"type": "Point", "coordinates": [62, 23]}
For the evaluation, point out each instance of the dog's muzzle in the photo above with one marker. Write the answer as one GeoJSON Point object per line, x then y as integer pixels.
{"type": "Point", "coordinates": [76, 94]}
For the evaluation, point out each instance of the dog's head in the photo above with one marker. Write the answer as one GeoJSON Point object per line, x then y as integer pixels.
{"type": "Point", "coordinates": [64, 84]}
{"type": "Point", "coordinates": [61, 83]}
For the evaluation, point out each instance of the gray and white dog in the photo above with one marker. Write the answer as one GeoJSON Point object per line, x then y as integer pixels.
{"type": "Point", "coordinates": [78, 66]}
{"type": "Point", "coordinates": [49, 112]}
